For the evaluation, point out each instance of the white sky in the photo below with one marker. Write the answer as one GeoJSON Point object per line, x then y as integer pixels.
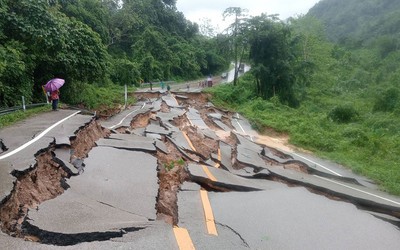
{"type": "Point", "coordinates": [195, 10]}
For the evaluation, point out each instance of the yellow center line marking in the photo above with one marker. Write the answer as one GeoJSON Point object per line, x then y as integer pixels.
{"type": "Point", "coordinates": [208, 213]}
{"type": "Point", "coordinates": [208, 173]}
{"type": "Point", "coordinates": [183, 238]}
{"type": "Point", "coordinates": [188, 140]}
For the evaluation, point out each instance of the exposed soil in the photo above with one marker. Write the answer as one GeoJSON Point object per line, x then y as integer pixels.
{"type": "Point", "coordinates": [106, 112]}
{"type": "Point", "coordinates": [170, 181]}
{"type": "Point", "coordinates": [86, 137]}
{"type": "Point", "coordinates": [164, 107]}
{"type": "Point", "coordinates": [44, 181]}
{"type": "Point", "coordinates": [203, 145]}
{"type": "Point", "coordinates": [146, 95]}
{"type": "Point", "coordinates": [296, 167]}
{"type": "Point", "coordinates": [181, 122]}
{"type": "Point", "coordinates": [197, 100]}
{"type": "Point", "coordinates": [141, 120]}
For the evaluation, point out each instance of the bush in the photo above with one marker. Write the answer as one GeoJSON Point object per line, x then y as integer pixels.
{"type": "Point", "coordinates": [343, 114]}
{"type": "Point", "coordinates": [388, 101]}
{"type": "Point", "coordinates": [356, 136]}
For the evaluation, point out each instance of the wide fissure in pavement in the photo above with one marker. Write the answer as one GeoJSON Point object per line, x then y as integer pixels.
{"type": "Point", "coordinates": [45, 180]}
{"type": "Point", "coordinates": [62, 239]}
{"type": "Point", "coordinates": [172, 166]}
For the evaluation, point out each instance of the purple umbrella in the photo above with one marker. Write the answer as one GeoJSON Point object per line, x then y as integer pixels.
{"type": "Point", "coordinates": [54, 84]}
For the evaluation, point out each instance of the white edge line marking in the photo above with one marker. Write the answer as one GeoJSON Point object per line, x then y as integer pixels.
{"type": "Point", "coordinates": [374, 195]}
{"type": "Point", "coordinates": [126, 117]}
{"type": "Point", "coordinates": [251, 138]}
{"type": "Point", "coordinates": [37, 137]}
{"type": "Point", "coordinates": [313, 162]}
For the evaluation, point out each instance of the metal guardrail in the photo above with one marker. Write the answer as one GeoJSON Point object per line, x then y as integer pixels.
{"type": "Point", "coordinates": [10, 110]}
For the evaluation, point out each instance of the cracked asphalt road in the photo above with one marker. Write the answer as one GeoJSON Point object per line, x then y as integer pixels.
{"type": "Point", "coordinates": [174, 163]}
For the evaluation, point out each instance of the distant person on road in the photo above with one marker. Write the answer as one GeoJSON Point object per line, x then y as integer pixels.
{"type": "Point", "coordinates": [54, 97]}
{"type": "Point", "coordinates": [168, 88]}
{"type": "Point", "coordinates": [162, 85]}
{"type": "Point", "coordinates": [151, 85]}
{"type": "Point", "coordinates": [209, 81]}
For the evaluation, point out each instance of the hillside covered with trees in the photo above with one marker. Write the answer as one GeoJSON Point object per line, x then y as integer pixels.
{"type": "Point", "coordinates": [359, 22]}
{"type": "Point", "coordinates": [343, 71]}
{"type": "Point", "coordinates": [98, 43]}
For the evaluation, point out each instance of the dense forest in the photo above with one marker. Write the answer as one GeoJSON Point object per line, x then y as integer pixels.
{"type": "Point", "coordinates": [98, 43]}
{"type": "Point", "coordinates": [360, 22]}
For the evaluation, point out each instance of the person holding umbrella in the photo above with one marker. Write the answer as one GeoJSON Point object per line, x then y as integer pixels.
{"type": "Point", "coordinates": [54, 97]}
{"type": "Point", "coordinates": [53, 87]}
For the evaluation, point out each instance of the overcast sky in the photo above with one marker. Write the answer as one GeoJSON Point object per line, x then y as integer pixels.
{"type": "Point", "coordinates": [195, 10]}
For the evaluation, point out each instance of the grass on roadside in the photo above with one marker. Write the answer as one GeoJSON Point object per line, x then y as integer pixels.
{"type": "Point", "coordinates": [9, 119]}
{"type": "Point", "coordinates": [90, 97]}
{"type": "Point", "coordinates": [369, 144]}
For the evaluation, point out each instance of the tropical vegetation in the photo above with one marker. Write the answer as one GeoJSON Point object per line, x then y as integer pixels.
{"type": "Point", "coordinates": [98, 43]}
{"type": "Point", "coordinates": [343, 98]}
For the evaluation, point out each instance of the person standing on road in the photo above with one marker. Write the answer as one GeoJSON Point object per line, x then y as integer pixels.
{"type": "Point", "coordinates": [209, 81]}
{"type": "Point", "coordinates": [54, 97]}
{"type": "Point", "coordinates": [162, 85]}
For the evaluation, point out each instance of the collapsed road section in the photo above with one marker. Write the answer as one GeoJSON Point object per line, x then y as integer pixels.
{"type": "Point", "coordinates": [177, 161]}
{"type": "Point", "coordinates": [46, 179]}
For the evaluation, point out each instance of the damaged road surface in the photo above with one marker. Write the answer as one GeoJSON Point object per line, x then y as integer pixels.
{"type": "Point", "coordinates": [175, 172]}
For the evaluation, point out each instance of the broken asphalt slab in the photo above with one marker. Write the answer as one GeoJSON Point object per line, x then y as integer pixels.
{"type": "Point", "coordinates": [6, 179]}
{"type": "Point", "coordinates": [249, 157]}
{"type": "Point", "coordinates": [195, 118]}
{"type": "Point", "coordinates": [128, 142]}
{"type": "Point", "coordinates": [28, 129]}
{"type": "Point", "coordinates": [222, 125]}
{"type": "Point", "coordinates": [170, 101]}
{"type": "Point", "coordinates": [105, 196]}
{"type": "Point", "coordinates": [25, 157]}
{"type": "Point", "coordinates": [369, 199]}
{"type": "Point", "coordinates": [124, 118]}
{"type": "Point", "coordinates": [226, 180]}
{"type": "Point", "coordinates": [169, 116]}
{"type": "Point", "coordinates": [65, 130]}
{"type": "Point", "coordinates": [157, 129]}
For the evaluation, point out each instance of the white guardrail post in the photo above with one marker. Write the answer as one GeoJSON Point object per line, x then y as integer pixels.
{"type": "Point", "coordinates": [126, 95]}
{"type": "Point", "coordinates": [23, 103]}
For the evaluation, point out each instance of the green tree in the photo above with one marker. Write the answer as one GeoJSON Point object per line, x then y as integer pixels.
{"type": "Point", "coordinates": [275, 59]}
{"type": "Point", "coordinates": [237, 31]}
{"type": "Point", "coordinates": [123, 71]}
{"type": "Point", "coordinates": [93, 13]}
{"type": "Point", "coordinates": [51, 45]}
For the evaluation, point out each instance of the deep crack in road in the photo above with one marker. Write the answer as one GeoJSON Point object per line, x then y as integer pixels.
{"type": "Point", "coordinates": [149, 162]}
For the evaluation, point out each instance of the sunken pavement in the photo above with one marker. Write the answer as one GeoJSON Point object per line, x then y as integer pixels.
{"type": "Point", "coordinates": [176, 172]}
